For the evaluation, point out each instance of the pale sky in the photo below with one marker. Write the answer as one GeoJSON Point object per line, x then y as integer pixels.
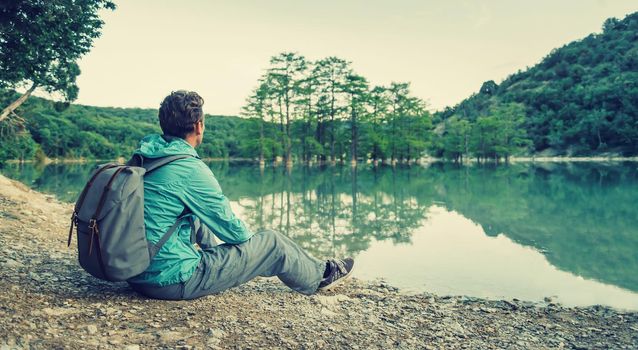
{"type": "Point", "coordinates": [445, 48]}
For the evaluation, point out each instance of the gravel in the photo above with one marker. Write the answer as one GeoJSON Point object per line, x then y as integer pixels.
{"type": "Point", "coordinates": [47, 302]}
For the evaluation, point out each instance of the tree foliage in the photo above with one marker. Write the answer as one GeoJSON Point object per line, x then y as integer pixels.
{"type": "Point", "coordinates": [40, 42]}
{"type": "Point", "coordinates": [327, 112]}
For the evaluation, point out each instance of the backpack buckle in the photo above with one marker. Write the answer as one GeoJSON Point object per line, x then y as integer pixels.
{"type": "Point", "coordinates": [94, 231]}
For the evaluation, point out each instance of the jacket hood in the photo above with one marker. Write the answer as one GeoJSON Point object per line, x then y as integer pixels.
{"type": "Point", "coordinates": [156, 146]}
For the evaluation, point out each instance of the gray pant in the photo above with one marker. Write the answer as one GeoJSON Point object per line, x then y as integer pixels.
{"type": "Point", "coordinates": [267, 253]}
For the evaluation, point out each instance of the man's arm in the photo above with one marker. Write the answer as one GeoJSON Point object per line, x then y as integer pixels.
{"type": "Point", "coordinates": [204, 197]}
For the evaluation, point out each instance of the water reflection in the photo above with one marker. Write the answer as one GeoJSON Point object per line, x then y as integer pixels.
{"type": "Point", "coordinates": [451, 254]}
{"type": "Point", "coordinates": [580, 216]}
{"type": "Point", "coordinates": [63, 180]}
{"type": "Point", "coordinates": [330, 211]}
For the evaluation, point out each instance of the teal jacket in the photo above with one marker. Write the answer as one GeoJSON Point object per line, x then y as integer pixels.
{"type": "Point", "coordinates": [167, 191]}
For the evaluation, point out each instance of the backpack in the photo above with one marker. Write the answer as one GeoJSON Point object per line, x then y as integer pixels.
{"type": "Point", "coordinates": [109, 217]}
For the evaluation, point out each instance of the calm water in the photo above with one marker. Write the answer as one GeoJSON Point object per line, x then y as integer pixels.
{"type": "Point", "coordinates": [567, 231]}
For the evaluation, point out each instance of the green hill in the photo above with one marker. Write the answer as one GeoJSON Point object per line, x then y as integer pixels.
{"type": "Point", "coordinates": [581, 99]}
{"type": "Point", "coordinates": [57, 130]}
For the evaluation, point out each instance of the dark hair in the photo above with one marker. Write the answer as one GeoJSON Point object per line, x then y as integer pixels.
{"type": "Point", "coordinates": [179, 112]}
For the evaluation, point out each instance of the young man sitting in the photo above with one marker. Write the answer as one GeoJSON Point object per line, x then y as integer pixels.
{"type": "Point", "coordinates": [187, 190]}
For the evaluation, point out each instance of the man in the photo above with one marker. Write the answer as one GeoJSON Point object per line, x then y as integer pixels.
{"type": "Point", "coordinates": [188, 186]}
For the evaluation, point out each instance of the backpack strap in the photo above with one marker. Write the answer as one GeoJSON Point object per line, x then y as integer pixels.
{"type": "Point", "coordinates": [155, 248]}
{"type": "Point", "coordinates": [93, 222]}
{"type": "Point", "coordinates": [151, 164]}
{"type": "Point", "coordinates": [80, 201]}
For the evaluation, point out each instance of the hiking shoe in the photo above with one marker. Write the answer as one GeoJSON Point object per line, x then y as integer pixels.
{"type": "Point", "coordinates": [340, 269]}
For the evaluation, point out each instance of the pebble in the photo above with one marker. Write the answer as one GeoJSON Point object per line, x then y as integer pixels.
{"type": "Point", "coordinates": [326, 312]}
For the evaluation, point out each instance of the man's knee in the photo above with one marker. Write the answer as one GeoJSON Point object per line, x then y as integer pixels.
{"type": "Point", "coordinates": [268, 234]}
{"type": "Point", "coordinates": [273, 241]}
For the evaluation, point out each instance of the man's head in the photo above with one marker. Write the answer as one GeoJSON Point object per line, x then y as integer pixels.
{"type": "Point", "coordinates": [181, 115]}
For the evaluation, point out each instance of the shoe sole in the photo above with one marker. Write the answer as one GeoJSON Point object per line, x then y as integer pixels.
{"type": "Point", "coordinates": [337, 282]}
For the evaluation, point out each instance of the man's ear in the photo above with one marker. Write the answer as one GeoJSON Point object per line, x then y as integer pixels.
{"type": "Point", "coordinates": [199, 127]}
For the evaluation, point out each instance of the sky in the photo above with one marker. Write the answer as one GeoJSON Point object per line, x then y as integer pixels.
{"type": "Point", "coordinates": [446, 49]}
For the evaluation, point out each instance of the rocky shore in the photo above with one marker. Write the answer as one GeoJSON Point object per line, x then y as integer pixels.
{"type": "Point", "coordinates": [48, 302]}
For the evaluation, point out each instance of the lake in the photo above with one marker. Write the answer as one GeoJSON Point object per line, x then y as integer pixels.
{"type": "Point", "coordinates": [568, 231]}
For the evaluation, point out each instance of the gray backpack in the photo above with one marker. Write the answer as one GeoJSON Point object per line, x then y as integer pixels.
{"type": "Point", "coordinates": [109, 216]}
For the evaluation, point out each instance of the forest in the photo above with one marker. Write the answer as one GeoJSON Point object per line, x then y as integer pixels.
{"type": "Point", "coordinates": [579, 100]}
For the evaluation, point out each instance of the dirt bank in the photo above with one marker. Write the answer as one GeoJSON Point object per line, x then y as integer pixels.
{"type": "Point", "coordinates": [47, 302]}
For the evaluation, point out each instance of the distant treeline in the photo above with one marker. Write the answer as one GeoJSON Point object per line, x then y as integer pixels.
{"type": "Point", "coordinates": [386, 124]}
{"type": "Point", "coordinates": [55, 130]}
{"type": "Point", "coordinates": [580, 100]}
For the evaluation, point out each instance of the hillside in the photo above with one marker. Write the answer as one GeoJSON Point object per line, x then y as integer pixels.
{"type": "Point", "coordinates": [57, 130]}
{"type": "Point", "coordinates": [580, 99]}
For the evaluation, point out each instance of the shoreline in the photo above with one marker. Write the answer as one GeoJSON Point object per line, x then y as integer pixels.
{"type": "Point", "coordinates": [422, 161]}
{"type": "Point", "coordinates": [90, 160]}
{"type": "Point", "coordinates": [49, 302]}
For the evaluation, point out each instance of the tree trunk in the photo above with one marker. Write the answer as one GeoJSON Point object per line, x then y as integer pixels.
{"type": "Point", "coordinates": [307, 131]}
{"type": "Point", "coordinates": [332, 125]}
{"type": "Point", "coordinates": [15, 104]}
{"type": "Point", "coordinates": [319, 136]}
{"type": "Point", "coordinates": [354, 199]}
{"type": "Point", "coordinates": [393, 140]}
{"type": "Point", "coordinates": [600, 140]}
{"type": "Point", "coordinates": [353, 129]}
{"type": "Point", "coordinates": [262, 161]}
{"type": "Point", "coordinates": [304, 148]}
{"type": "Point", "coordinates": [467, 144]}
{"type": "Point", "coordinates": [287, 143]}
{"type": "Point", "coordinates": [281, 127]}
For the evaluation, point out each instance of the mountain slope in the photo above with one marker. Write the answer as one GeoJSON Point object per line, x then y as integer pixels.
{"type": "Point", "coordinates": [580, 99]}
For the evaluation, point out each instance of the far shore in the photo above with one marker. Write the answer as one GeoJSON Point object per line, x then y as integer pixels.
{"type": "Point", "coordinates": [94, 160]}
{"type": "Point", "coordinates": [422, 161]}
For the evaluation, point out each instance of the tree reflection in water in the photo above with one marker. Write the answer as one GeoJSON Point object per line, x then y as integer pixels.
{"type": "Point", "coordinates": [329, 211]}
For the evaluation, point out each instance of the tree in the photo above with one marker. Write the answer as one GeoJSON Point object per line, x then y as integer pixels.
{"type": "Point", "coordinates": [40, 42]}
{"type": "Point", "coordinates": [416, 124]}
{"type": "Point", "coordinates": [498, 134]}
{"type": "Point", "coordinates": [356, 87]}
{"type": "Point", "coordinates": [285, 73]}
{"type": "Point", "coordinates": [456, 141]}
{"type": "Point", "coordinates": [378, 102]}
{"type": "Point", "coordinates": [307, 90]}
{"type": "Point", "coordinates": [511, 133]}
{"type": "Point", "coordinates": [484, 137]}
{"type": "Point", "coordinates": [489, 87]}
{"type": "Point", "coordinates": [257, 106]}
{"type": "Point", "coordinates": [399, 97]}
{"type": "Point", "coordinates": [331, 73]}
{"type": "Point", "coordinates": [16, 144]}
